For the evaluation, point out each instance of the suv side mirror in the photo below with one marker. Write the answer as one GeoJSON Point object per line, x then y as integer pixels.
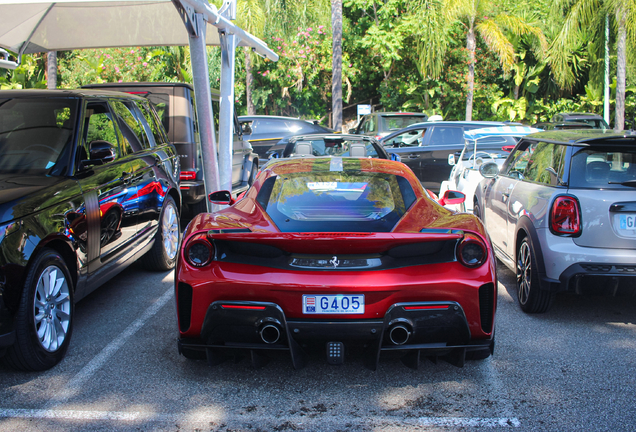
{"type": "Point", "coordinates": [101, 152]}
{"type": "Point", "coordinates": [246, 128]}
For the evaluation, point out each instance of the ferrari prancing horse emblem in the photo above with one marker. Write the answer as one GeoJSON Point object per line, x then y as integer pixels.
{"type": "Point", "coordinates": [334, 261]}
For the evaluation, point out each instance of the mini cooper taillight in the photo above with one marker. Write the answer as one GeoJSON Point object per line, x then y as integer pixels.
{"type": "Point", "coordinates": [565, 216]}
{"type": "Point", "coordinates": [199, 251]}
{"type": "Point", "coordinates": [471, 252]}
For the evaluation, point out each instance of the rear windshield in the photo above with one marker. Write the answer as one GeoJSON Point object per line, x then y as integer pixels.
{"type": "Point", "coordinates": [36, 135]}
{"type": "Point", "coordinates": [607, 168]}
{"type": "Point", "coordinates": [342, 201]}
{"type": "Point", "coordinates": [397, 122]}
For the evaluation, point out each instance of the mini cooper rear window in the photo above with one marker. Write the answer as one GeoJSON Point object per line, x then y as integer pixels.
{"type": "Point", "coordinates": [606, 168]}
{"type": "Point", "coordinates": [336, 201]}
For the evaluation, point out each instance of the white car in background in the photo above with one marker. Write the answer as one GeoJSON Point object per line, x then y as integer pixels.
{"type": "Point", "coordinates": [480, 146]}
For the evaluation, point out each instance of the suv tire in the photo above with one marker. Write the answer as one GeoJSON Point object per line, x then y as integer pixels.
{"type": "Point", "coordinates": [532, 298]}
{"type": "Point", "coordinates": [44, 319]}
{"type": "Point", "coordinates": [163, 254]}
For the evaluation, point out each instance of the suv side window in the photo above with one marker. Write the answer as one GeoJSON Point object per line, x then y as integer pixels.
{"type": "Point", "coordinates": [132, 129]}
{"type": "Point", "coordinates": [98, 126]}
{"type": "Point", "coordinates": [368, 125]}
{"type": "Point", "coordinates": [445, 135]}
{"type": "Point", "coordinates": [539, 163]}
{"type": "Point", "coordinates": [153, 122]}
{"type": "Point", "coordinates": [519, 161]}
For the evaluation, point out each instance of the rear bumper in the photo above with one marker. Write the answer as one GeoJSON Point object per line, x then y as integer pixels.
{"type": "Point", "coordinates": [599, 278]}
{"type": "Point", "coordinates": [434, 328]}
{"type": "Point", "coordinates": [192, 191]}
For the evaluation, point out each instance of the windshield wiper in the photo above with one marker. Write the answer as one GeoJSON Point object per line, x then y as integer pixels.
{"type": "Point", "coordinates": [630, 183]}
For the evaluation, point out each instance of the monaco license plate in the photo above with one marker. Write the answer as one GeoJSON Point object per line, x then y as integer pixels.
{"type": "Point", "coordinates": [628, 222]}
{"type": "Point", "coordinates": [333, 304]}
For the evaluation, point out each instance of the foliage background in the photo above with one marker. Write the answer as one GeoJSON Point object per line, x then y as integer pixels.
{"type": "Point", "coordinates": [382, 48]}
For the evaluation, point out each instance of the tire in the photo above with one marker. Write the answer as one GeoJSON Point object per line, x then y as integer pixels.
{"type": "Point", "coordinates": [532, 298]}
{"type": "Point", "coordinates": [477, 210]}
{"type": "Point", "coordinates": [44, 319]}
{"type": "Point", "coordinates": [198, 207]}
{"type": "Point", "coordinates": [163, 254]}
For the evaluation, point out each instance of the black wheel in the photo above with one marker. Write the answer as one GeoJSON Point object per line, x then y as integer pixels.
{"type": "Point", "coordinates": [192, 354]}
{"type": "Point", "coordinates": [253, 173]}
{"type": "Point", "coordinates": [532, 298]}
{"type": "Point", "coordinates": [482, 354]}
{"type": "Point", "coordinates": [476, 210]}
{"type": "Point", "coordinates": [44, 319]}
{"type": "Point", "coordinates": [163, 254]}
{"type": "Point", "coordinates": [199, 207]}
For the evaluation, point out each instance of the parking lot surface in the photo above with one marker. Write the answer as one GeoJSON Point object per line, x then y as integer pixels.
{"type": "Point", "coordinates": [570, 369]}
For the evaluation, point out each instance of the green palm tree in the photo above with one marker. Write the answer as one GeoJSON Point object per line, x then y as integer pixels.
{"type": "Point", "coordinates": [483, 17]}
{"type": "Point", "coordinates": [585, 21]}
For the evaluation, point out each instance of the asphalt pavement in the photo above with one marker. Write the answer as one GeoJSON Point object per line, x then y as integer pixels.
{"type": "Point", "coordinates": [570, 369]}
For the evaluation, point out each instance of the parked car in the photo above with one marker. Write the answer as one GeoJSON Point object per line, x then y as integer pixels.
{"type": "Point", "coordinates": [562, 125]}
{"type": "Point", "coordinates": [175, 104]}
{"type": "Point", "coordinates": [89, 184]}
{"type": "Point", "coordinates": [425, 147]}
{"type": "Point", "coordinates": [380, 124]}
{"type": "Point", "coordinates": [561, 212]}
{"type": "Point", "coordinates": [481, 145]}
{"type": "Point", "coordinates": [263, 131]}
{"type": "Point", "coordinates": [328, 145]}
{"type": "Point", "coordinates": [343, 252]}
{"type": "Point", "coordinates": [594, 120]}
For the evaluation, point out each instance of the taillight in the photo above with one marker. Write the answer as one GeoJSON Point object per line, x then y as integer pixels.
{"type": "Point", "coordinates": [471, 252]}
{"type": "Point", "coordinates": [199, 251]}
{"type": "Point", "coordinates": [565, 216]}
{"type": "Point", "coordinates": [188, 175]}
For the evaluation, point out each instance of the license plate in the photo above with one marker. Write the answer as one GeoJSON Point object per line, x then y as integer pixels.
{"type": "Point", "coordinates": [628, 222]}
{"type": "Point", "coordinates": [333, 304]}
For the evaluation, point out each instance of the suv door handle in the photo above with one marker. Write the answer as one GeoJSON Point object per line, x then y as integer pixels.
{"type": "Point", "coordinates": [413, 156]}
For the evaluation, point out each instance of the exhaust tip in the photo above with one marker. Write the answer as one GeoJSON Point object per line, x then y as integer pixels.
{"type": "Point", "coordinates": [270, 333]}
{"type": "Point", "coordinates": [399, 334]}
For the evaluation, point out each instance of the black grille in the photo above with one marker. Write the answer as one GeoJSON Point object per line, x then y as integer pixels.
{"type": "Point", "coordinates": [626, 269]}
{"type": "Point", "coordinates": [184, 301]}
{"type": "Point", "coordinates": [486, 306]}
{"type": "Point", "coordinates": [597, 267]}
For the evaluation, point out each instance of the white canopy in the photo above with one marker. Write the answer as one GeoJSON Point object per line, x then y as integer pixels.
{"type": "Point", "coordinates": [69, 24]}
{"type": "Point", "coordinates": [32, 26]}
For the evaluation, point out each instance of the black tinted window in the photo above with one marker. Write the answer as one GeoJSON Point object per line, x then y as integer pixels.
{"type": "Point", "coordinates": [131, 126]}
{"type": "Point", "coordinates": [603, 168]}
{"type": "Point", "coordinates": [35, 133]}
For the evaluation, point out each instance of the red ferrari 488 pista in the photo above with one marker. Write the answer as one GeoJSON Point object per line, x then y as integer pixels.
{"type": "Point", "coordinates": [341, 253]}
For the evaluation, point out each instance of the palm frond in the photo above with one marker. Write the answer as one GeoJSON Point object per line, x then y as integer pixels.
{"type": "Point", "coordinates": [497, 41]}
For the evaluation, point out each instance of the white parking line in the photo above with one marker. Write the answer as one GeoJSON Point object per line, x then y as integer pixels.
{"type": "Point", "coordinates": [120, 416]}
{"type": "Point", "coordinates": [74, 385]}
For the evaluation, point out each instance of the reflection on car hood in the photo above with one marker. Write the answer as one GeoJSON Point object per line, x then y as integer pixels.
{"type": "Point", "coordinates": [20, 195]}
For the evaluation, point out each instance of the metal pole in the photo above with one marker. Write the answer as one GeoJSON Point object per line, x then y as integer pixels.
{"type": "Point", "coordinates": [201, 81]}
{"type": "Point", "coordinates": [226, 117]}
{"type": "Point", "coordinates": [606, 89]}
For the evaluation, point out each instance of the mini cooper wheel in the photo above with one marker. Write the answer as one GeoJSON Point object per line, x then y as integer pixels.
{"type": "Point", "coordinates": [476, 210]}
{"type": "Point", "coordinates": [532, 298]}
{"type": "Point", "coordinates": [163, 254]}
{"type": "Point", "coordinates": [44, 319]}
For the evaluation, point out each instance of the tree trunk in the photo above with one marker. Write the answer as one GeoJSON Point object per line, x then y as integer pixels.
{"type": "Point", "coordinates": [249, 81]}
{"type": "Point", "coordinates": [471, 45]}
{"type": "Point", "coordinates": [606, 83]}
{"type": "Point", "coordinates": [336, 77]}
{"type": "Point", "coordinates": [51, 70]}
{"type": "Point", "coordinates": [621, 60]}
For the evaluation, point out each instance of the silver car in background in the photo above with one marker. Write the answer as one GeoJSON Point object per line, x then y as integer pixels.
{"type": "Point", "coordinates": [561, 212]}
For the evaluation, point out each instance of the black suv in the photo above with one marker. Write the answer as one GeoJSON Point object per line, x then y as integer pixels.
{"type": "Point", "coordinates": [425, 147]}
{"type": "Point", "coordinates": [175, 104]}
{"type": "Point", "coordinates": [594, 120]}
{"type": "Point", "coordinates": [88, 184]}
{"type": "Point", "coordinates": [380, 124]}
